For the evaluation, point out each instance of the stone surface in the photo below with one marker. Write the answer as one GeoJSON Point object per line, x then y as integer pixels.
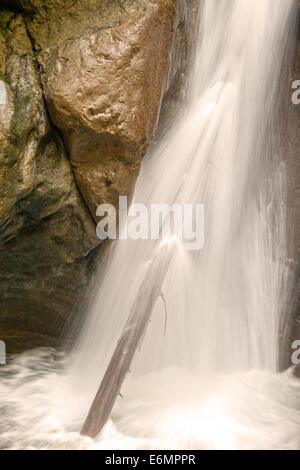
{"type": "Point", "coordinates": [293, 163]}
{"type": "Point", "coordinates": [46, 231]}
{"type": "Point", "coordinates": [99, 67]}
{"type": "Point", "coordinates": [103, 69]}
{"type": "Point", "coordinates": [180, 60]}
{"type": "Point", "coordinates": [292, 151]}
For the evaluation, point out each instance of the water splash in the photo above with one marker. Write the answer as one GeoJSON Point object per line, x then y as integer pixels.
{"type": "Point", "coordinates": [252, 410]}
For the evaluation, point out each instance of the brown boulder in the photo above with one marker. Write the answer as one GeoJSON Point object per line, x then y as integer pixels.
{"type": "Point", "coordinates": [104, 88]}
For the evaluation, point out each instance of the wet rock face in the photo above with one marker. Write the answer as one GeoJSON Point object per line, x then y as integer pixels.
{"type": "Point", "coordinates": [46, 231]}
{"type": "Point", "coordinates": [293, 173]}
{"type": "Point", "coordinates": [81, 84]}
{"type": "Point", "coordinates": [103, 70]}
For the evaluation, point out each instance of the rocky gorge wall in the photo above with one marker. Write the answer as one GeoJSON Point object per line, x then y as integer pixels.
{"type": "Point", "coordinates": [81, 84]}
{"type": "Point", "coordinates": [292, 158]}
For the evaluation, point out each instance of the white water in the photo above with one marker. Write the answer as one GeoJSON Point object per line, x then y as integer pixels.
{"type": "Point", "coordinates": [210, 381]}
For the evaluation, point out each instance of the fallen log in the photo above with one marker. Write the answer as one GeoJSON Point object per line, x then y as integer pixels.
{"type": "Point", "coordinates": [128, 343]}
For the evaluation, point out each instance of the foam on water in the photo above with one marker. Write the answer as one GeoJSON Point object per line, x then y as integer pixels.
{"type": "Point", "coordinates": [250, 410]}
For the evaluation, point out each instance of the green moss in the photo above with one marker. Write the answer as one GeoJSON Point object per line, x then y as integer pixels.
{"type": "Point", "coordinates": [13, 154]}
{"type": "Point", "coordinates": [20, 119]}
{"type": "Point", "coordinates": [4, 77]}
{"type": "Point", "coordinates": [5, 18]}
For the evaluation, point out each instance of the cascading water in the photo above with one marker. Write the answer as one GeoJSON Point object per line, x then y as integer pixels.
{"type": "Point", "coordinates": [209, 380]}
{"type": "Point", "coordinates": [223, 303]}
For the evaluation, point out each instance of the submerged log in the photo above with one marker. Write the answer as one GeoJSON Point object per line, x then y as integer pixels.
{"type": "Point", "coordinates": [128, 343]}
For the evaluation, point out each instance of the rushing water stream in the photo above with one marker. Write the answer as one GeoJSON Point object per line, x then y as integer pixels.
{"type": "Point", "coordinates": [210, 379]}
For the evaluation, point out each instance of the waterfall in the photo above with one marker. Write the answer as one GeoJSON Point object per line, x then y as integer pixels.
{"type": "Point", "coordinates": [206, 372]}
{"type": "Point", "coordinates": [225, 302]}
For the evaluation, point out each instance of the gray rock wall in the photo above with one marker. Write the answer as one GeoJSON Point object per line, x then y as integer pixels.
{"type": "Point", "coordinates": [81, 85]}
